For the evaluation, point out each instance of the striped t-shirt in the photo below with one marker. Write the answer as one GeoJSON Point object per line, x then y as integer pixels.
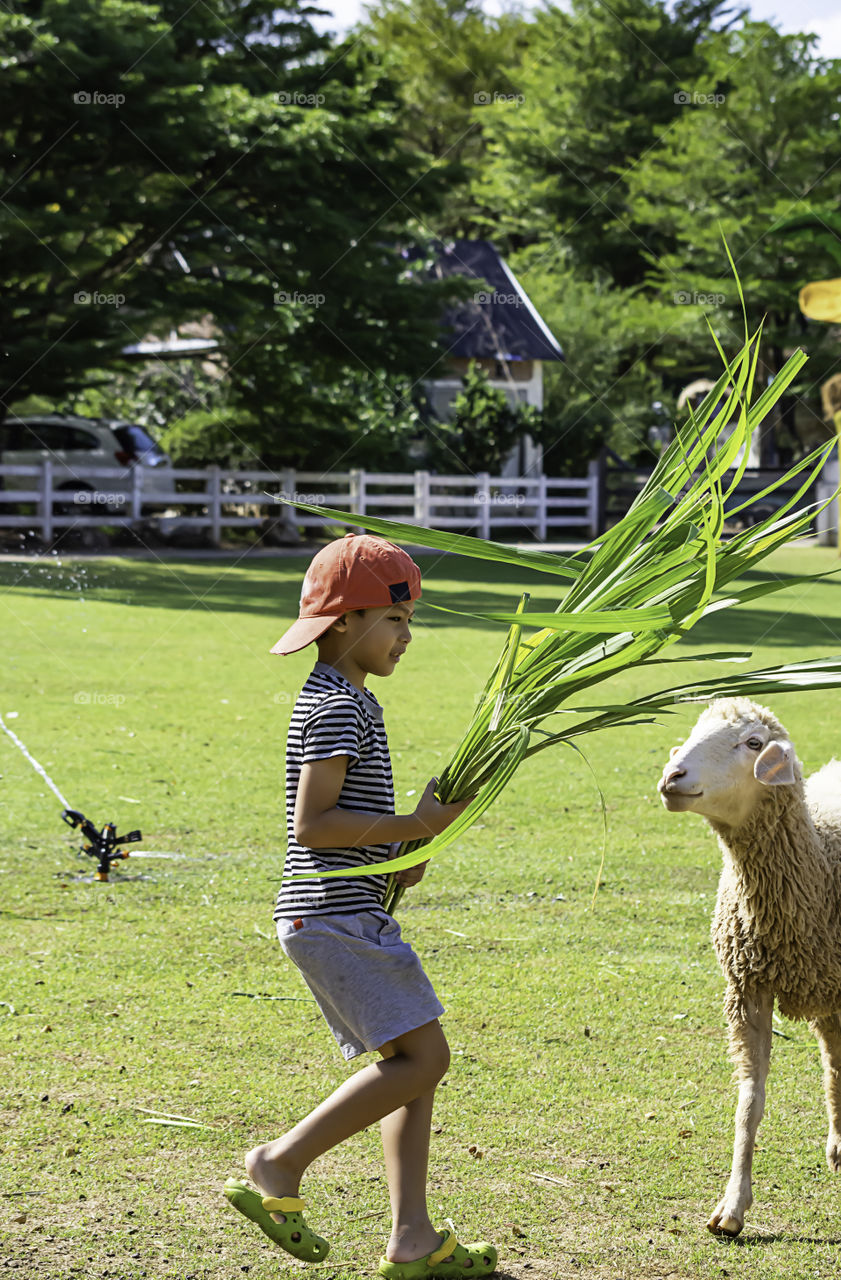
{"type": "Point", "coordinates": [334, 718]}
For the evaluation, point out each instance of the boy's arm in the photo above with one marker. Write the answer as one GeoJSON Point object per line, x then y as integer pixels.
{"type": "Point", "coordinates": [320, 824]}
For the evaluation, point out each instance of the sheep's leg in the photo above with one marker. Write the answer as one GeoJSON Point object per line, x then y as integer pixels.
{"type": "Point", "coordinates": [750, 1048]}
{"type": "Point", "coordinates": [828, 1031]}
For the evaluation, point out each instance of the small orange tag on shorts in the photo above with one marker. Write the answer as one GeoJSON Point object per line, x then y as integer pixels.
{"type": "Point", "coordinates": [297, 924]}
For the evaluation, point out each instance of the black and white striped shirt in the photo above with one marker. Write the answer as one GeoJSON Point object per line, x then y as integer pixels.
{"type": "Point", "coordinates": [334, 718]}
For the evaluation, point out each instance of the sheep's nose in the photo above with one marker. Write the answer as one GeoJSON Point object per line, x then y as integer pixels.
{"type": "Point", "coordinates": [671, 775]}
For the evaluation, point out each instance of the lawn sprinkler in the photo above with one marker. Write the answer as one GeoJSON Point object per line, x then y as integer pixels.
{"type": "Point", "coordinates": [103, 844]}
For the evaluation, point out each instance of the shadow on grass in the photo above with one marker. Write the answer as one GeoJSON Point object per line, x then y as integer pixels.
{"type": "Point", "coordinates": [779, 1237]}
{"type": "Point", "coordinates": [272, 589]}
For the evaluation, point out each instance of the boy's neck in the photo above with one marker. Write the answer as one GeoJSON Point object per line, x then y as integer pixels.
{"type": "Point", "coordinates": [346, 667]}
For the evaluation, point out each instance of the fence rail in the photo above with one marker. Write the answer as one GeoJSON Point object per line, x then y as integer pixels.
{"type": "Point", "coordinates": [47, 499]}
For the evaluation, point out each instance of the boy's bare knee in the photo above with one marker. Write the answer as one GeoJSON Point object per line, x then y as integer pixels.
{"type": "Point", "coordinates": [426, 1046]}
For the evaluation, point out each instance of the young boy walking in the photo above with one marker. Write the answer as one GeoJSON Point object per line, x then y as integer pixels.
{"type": "Point", "coordinates": [356, 605]}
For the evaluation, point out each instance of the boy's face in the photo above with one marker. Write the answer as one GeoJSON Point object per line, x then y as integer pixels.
{"type": "Point", "coordinates": [375, 639]}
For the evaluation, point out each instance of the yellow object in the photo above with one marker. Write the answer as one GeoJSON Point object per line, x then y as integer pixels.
{"type": "Point", "coordinates": [283, 1204]}
{"type": "Point", "coordinates": [444, 1251]}
{"type": "Point", "coordinates": [821, 300]}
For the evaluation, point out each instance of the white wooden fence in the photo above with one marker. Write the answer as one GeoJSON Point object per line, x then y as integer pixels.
{"type": "Point", "coordinates": [44, 498]}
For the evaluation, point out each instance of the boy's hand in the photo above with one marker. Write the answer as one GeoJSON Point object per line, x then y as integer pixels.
{"type": "Point", "coordinates": [434, 815]}
{"type": "Point", "coordinates": [411, 875]}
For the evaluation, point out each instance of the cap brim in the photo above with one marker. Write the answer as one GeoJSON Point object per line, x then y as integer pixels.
{"type": "Point", "coordinates": [303, 632]}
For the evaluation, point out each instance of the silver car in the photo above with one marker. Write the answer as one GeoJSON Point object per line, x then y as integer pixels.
{"type": "Point", "coordinates": [82, 449]}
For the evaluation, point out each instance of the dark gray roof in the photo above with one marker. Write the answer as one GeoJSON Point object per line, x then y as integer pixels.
{"type": "Point", "coordinates": [500, 320]}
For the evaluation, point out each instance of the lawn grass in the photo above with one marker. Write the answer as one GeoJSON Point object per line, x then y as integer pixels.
{"type": "Point", "coordinates": [586, 1123]}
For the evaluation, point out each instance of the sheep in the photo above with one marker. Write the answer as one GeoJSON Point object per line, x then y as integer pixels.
{"type": "Point", "coordinates": [776, 927]}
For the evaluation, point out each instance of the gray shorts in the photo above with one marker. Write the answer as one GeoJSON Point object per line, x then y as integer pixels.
{"type": "Point", "coordinates": [366, 980]}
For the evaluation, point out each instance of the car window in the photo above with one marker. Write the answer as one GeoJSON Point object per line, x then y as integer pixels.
{"type": "Point", "coordinates": [33, 436]}
{"type": "Point", "coordinates": [78, 438]}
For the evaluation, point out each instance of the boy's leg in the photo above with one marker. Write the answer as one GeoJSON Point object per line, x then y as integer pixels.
{"type": "Point", "coordinates": [405, 1135]}
{"type": "Point", "coordinates": [419, 1060]}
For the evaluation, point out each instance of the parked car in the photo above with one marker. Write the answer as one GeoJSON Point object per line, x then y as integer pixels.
{"type": "Point", "coordinates": [82, 448]}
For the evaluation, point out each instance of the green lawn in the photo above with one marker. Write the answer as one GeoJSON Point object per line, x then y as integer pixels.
{"type": "Point", "coordinates": [586, 1123]}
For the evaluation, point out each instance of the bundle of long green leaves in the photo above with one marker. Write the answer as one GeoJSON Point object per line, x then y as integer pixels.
{"type": "Point", "coordinates": [629, 595]}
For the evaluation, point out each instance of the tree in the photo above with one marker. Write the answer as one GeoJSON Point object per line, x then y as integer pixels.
{"type": "Point", "coordinates": [736, 164]}
{"type": "Point", "coordinates": [483, 429]}
{"type": "Point", "coordinates": [599, 86]}
{"type": "Point", "coordinates": [451, 61]}
{"type": "Point", "coordinates": [216, 163]}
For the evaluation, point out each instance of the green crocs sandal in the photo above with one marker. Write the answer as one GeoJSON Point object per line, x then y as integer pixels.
{"type": "Point", "coordinates": [293, 1234]}
{"type": "Point", "coordinates": [451, 1259]}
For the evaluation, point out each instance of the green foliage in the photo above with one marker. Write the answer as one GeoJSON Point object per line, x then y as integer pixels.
{"type": "Point", "coordinates": [762, 151]}
{"type": "Point", "coordinates": [216, 164]}
{"type": "Point", "coordinates": [640, 587]}
{"type": "Point", "coordinates": [485, 426]}
{"type": "Point", "coordinates": [451, 62]}
{"type": "Point", "coordinates": [589, 1047]}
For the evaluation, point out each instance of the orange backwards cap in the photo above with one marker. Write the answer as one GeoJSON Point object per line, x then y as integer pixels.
{"type": "Point", "coordinates": [354, 572]}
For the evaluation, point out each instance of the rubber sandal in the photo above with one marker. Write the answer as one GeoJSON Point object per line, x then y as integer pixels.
{"type": "Point", "coordinates": [293, 1235]}
{"type": "Point", "coordinates": [451, 1259]}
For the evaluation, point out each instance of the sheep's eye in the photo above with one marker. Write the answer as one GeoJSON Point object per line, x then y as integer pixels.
{"type": "Point", "coordinates": [754, 743]}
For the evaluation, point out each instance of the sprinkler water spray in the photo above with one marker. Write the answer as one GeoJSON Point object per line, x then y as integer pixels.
{"type": "Point", "coordinates": [102, 844]}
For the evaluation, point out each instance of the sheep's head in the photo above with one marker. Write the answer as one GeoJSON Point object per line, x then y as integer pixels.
{"type": "Point", "coordinates": [736, 750]}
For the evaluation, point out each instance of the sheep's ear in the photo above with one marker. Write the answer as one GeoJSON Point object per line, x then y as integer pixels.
{"type": "Point", "coordinates": [774, 766]}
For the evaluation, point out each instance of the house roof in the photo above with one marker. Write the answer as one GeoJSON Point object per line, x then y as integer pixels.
{"type": "Point", "coordinates": [500, 321]}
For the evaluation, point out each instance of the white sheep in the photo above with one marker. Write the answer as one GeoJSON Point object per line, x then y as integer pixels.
{"type": "Point", "coordinates": [777, 922]}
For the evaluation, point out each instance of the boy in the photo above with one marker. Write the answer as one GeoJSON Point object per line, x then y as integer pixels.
{"type": "Point", "coordinates": [356, 604]}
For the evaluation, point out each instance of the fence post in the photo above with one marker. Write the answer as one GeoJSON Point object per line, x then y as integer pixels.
{"type": "Point", "coordinates": [597, 475]}
{"type": "Point", "coordinates": [46, 500]}
{"type": "Point", "coordinates": [136, 494]}
{"type": "Point", "coordinates": [541, 508]}
{"type": "Point", "coordinates": [421, 512]}
{"type": "Point", "coordinates": [214, 504]}
{"type": "Point", "coordinates": [357, 494]}
{"type": "Point", "coordinates": [483, 498]}
{"type": "Point", "coordinates": [287, 482]}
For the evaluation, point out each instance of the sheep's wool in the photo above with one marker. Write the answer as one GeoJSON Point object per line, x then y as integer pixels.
{"type": "Point", "coordinates": [777, 921]}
